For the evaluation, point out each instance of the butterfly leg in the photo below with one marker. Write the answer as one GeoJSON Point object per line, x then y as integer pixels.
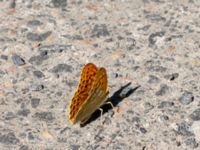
{"type": "Point", "coordinates": [101, 115]}
{"type": "Point", "coordinates": [111, 104]}
{"type": "Point", "coordinates": [115, 109]}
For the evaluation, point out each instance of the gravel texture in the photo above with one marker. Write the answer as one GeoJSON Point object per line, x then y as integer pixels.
{"type": "Point", "coordinates": [150, 49]}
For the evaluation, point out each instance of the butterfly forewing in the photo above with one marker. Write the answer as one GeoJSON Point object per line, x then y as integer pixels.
{"type": "Point", "coordinates": [88, 75]}
{"type": "Point", "coordinates": [97, 96]}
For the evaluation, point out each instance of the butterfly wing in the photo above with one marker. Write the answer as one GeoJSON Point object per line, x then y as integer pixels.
{"type": "Point", "coordinates": [97, 96]}
{"type": "Point", "coordinates": [87, 79]}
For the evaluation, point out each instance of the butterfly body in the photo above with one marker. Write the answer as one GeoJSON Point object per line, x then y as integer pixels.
{"type": "Point", "coordinates": [90, 95]}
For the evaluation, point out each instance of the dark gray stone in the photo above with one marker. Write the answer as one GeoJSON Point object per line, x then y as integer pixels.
{"type": "Point", "coordinates": [4, 57]}
{"type": "Point", "coordinates": [32, 23]}
{"type": "Point", "coordinates": [155, 17]}
{"type": "Point", "coordinates": [143, 130]}
{"type": "Point", "coordinates": [163, 90]}
{"type": "Point", "coordinates": [173, 37]}
{"type": "Point", "coordinates": [184, 129]}
{"type": "Point", "coordinates": [36, 87]}
{"type": "Point", "coordinates": [59, 3]}
{"type": "Point", "coordinates": [145, 28]}
{"type": "Point", "coordinates": [38, 74]}
{"type": "Point", "coordinates": [23, 105]}
{"type": "Point", "coordinates": [9, 139]}
{"type": "Point", "coordinates": [35, 102]}
{"type": "Point", "coordinates": [100, 30]}
{"type": "Point", "coordinates": [186, 98]}
{"type": "Point", "coordinates": [24, 147]}
{"type": "Point", "coordinates": [130, 43]}
{"type": "Point", "coordinates": [10, 116]}
{"type": "Point", "coordinates": [98, 138]}
{"type": "Point", "coordinates": [38, 37]}
{"type": "Point", "coordinates": [153, 79]}
{"type": "Point", "coordinates": [153, 37]}
{"type": "Point", "coordinates": [17, 60]}
{"type": "Point", "coordinates": [65, 129]}
{"type": "Point", "coordinates": [164, 104]}
{"type": "Point", "coordinates": [12, 4]}
{"type": "Point", "coordinates": [30, 136]}
{"type": "Point", "coordinates": [164, 117]}
{"type": "Point", "coordinates": [44, 53]}
{"type": "Point", "coordinates": [24, 112]}
{"type": "Point", "coordinates": [75, 147]}
{"type": "Point", "coordinates": [77, 37]}
{"type": "Point", "coordinates": [172, 77]}
{"type": "Point", "coordinates": [55, 48]}
{"type": "Point", "coordinates": [191, 142]}
{"type": "Point", "coordinates": [59, 93]}
{"type": "Point", "coordinates": [45, 116]}
{"type": "Point", "coordinates": [136, 119]}
{"type": "Point", "coordinates": [148, 106]}
{"type": "Point", "coordinates": [38, 60]}
{"type": "Point", "coordinates": [195, 115]}
{"type": "Point", "coordinates": [61, 68]}
{"type": "Point", "coordinates": [62, 140]}
{"type": "Point", "coordinates": [156, 68]}
{"type": "Point", "coordinates": [2, 73]}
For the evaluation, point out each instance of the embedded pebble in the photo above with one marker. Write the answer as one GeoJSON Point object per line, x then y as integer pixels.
{"type": "Point", "coordinates": [195, 115]}
{"type": "Point", "coordinates": [59, 3]}
{"type": "Point", "coordinates": [38, 37]}
{"type": "Point", "coordinates": [8, 138]}
{"type": "Point", "coordinates": [143, 130]}
{"type": "Point", "coordinates": [163, 90]}
{"type": "Point", "coordinates": [2, 73]}
{"type": "Point", "coordinates": [153, 37]}
{"type": "Point", "coordinates": [4, 57]}
{"type": "Point", "coordinates": [36, 87]}
{"type": "Point", "coordinates": [192, 143]}
{"type": "Point", "coordinates": [10, 115]}
{"type": "Point", "coordinates": [164, 117]}
{"type": "Point", "coordinates": [186, 98]}
{"type": "Point", "coordinates": [32, 23]}
{"type": "Point", "coordinates": [17, 60]}
{"type": "Point", "coordinates": [61, 68]}
{"type": "Point", "coordinates": [35, 102]}
{"type": "Point", "coordinates": [45, 116]}
{"type": "Point", "coordinates": [30, 136]}
{"type": "Point", "coordinates": [148, 106]}
{"type": "Point", "coordinates": [23, 112]}
{"type": "Point", "coordinates": [38, 60]}
{"type": "Point", "coordinates": [38, 74]}
{"type": "Point", "coordinates": [164, 104]}
{"type": "Point", "coordinates": [100, 30]}
{"type": "Point", "coordinates": [153, 79]}
{"type": "Point", "coordinates": [184, 129]}
{"type": "Point", "coordinates": [172, 77]}
{"type": "Point", "coordinates": [24, 147]}
{"type": "Point", "coordinates": [157, 68]}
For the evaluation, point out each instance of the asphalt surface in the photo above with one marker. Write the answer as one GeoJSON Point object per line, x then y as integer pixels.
{"type": "Point", "coordinates": [151, 52]}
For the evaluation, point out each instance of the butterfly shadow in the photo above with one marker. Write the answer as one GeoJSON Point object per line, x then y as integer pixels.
{"type": "Point", "coordinates": [115, 99]}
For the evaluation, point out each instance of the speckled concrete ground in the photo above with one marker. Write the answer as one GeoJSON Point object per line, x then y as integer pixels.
{"type": "Point", "coordinates": [153, 44]}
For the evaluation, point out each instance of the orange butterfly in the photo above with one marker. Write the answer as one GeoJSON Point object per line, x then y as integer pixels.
{"type": "Point", "coordinates": [90, 95]}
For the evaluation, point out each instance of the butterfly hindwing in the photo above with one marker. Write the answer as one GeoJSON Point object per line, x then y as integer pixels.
{"type": "Point", "coordinates": [86, 82]}
{"type": "Point", "coordinates": [97, 96]}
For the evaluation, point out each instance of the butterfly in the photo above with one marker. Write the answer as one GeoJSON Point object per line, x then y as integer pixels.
{"type": "Point", "coordinates": [90, 95]}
